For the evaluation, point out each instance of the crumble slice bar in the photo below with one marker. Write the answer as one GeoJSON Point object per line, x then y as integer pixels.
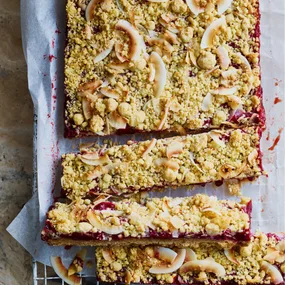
{"type": "Point", "coordinates": [158, 163]}
{"type": "Point", "coordinates": [161, 65]}
{"type": "Point", "coordinates": [260, 262]}
{"type": "Point", "coordinates": [150, 221]}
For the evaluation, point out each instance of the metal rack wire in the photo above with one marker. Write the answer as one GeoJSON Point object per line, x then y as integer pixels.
{"type": "Point", "coordinates": [45, 275]}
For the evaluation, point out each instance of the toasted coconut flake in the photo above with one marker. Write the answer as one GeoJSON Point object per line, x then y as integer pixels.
{"type": "Point", "coordinates": [273, 272]}
{"type": "Point", "coordinates": [107, 255]}
{"type": "Point", "coordinates": [206, 265]}
{"type": "Point", "coordinates": [190, 255]}
{"type": "Point", "coordinates": [164, 117]}
{"type": "Point", "coordinates": [281, 246]}
{"type": "Point", "coordinates": [118, 52]}
{"type": "Point", "coordinates": [108, 229]}
{"type": "Point", "coordinates": [151, 72]}
{"type": "Point", "coordinates": [223, 6]}
{"type": "Point", "coordinates": [166, 269]}
{"type": "Point", "coordinates": [149, 148]}
{"type": "Point", "coordinates": [273, 256]}
{"type": "Point", "coordinates": [62, 272]}
{"type": "Point", "coordinates": [90, 86]}
{"type": "Point", "coordinates": [110, 93]}
{"type": "Point", "coordinates": [191, 158]}
{"type": "Point", "coordinates": [117, 121]}
{"type": "Point", "coordinates": [215, 136]}
{"type": "Point", "coordinates": [136, 41]}
{"type": "Point", "coordinates": [176, 222]}
{"type": "Point", "coordinates": [97, 172]}
{"type": "Point", "coordinates": [193, 58]}
{"type": "Point", "coordinates": [100, 56]}
{"type": "Point", "coordinates": [87, 110]}
{"type": "Point", "coordinates": [166, 254]}
{"type": "Point", "coordinates": [89, 12]}
{"type": "Point", "coordinates": [75, 266]}
{"type": "Point", "coordinates": [171, 37]}
{"type": "Point", "coordinates": [104, 159]}
{"type": "Point", "coordinates": [207, 102]}
{"type": "Point", "coordinates": [194, 7]}
{"type": "Point", "coordinates": [174, 148]}
{"type": "Point", "coordinates": [244, 61]}
{"type": "Point", "coordinates": [167, 163]}
{"type": "Point", "coordinates": [229, 73]}
{"type": "Point", "coordinates": [209, 34]}
{"type": "Point", "coordinates": [211, 70]}
{"type": "Point", "coordinates": [212, 210]}
{"type": "Point", "coordinates": [252, 156]}
{"type": "Point", "coordinates": [229, 253]}
{"type": "Point", "coordinates": [160, 73]}
{"type": "Point", "coordinates": [92, 155]}
{"type": "Point", "coordinates": [226, 91]}
{"type": "Point", "coordinates": [88, 32]}
{"type": "Point", "coordinates": [223, 56]}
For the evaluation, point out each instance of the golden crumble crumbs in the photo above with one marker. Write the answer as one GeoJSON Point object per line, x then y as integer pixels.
{"type": "Point", "coordinates": [150, 66]}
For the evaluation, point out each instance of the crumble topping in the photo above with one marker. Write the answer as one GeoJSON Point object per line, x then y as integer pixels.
{"type": "Point", "coordinates": [150, 65]}
{"type": "Point", "coordinates": [201, 215]}
{"type": "Point", "coordinates": [204, 262]}
{"type": "Point", "coordinates": [177, 161]}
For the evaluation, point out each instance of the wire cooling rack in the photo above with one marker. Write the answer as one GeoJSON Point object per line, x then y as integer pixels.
{"type": "Point", "coordinates": [45, 275]}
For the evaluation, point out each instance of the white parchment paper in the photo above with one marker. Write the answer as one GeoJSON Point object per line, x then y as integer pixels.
{"type": "Point", "coordinates": [43, 31]}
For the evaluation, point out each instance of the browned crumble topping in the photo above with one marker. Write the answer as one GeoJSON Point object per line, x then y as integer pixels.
{"type": "Point", "coordinates": [260, 262]}
{"type": "Point", "coordinates": [155, 65]}
{"type": "Point", "coordinates": [200, 214]}
{"type": "Point", "coordinates": [177, 161]}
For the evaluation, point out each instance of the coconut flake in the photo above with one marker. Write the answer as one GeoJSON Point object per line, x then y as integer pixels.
{"type": "Point", "coordinates": [229, 253]}
{"type": "Point", "coordinates": [62, 272]}
{"type": "Point", "coordinates": [225, 91]}
{"type": "Point", "coordinates": [209, 34]}
{"type": "Point", "coordinates": [174, 148]}
{"type": "Point", "coordinates": [87, 110]}
{"type": "Point", "coordinates": [92, 155]}
{"type": "Point", "coordinates": [273, 256]}
{"type": "Point", "coordinates": [176, 222]}
{"type": "Point", "coordinates": [206, 265]}
{"type": "Point", "coordinates": [104, 159]}
{"type": "Point", "coordinates": [108, 229]}
{"type": "Point", "coordinates": [151, 72]}
{"type": "Point", "coordinates": [252, 156]}
{"type": "Point", "coordinates": [149, 147]}
{"type": "Point", "coordinates": [110, 93]}
{"type": "Point", "coordinates": [118, 52]}
{"type": "Point", "coordinates": [193, 58]}
{"type": "Point", "coordinates": [166, 254]}
{"type": "Point", "coordinates": [215, 136]}
{"type": "Point", "coordinates": [207, 102]}
{"type": "Point", "coordinates": [167, 163]}
{"type": "Point", "coordinates": [100, 56]}
{"type": "Point", "coordinates": [194, 7]}
{"type": "Point", "coordinates": [90, 86]}
{"type": "Point", "coordinates": [136, 41]}
{"type": "Point", "coordinates": [229, 73]}
{"type": "Point", "coordinates": [281, 246]}
{"type": "Point", "coordinates": [223, 6]}
{"type": "Point", "coordinates": [212, 210]}
{"type": "Point", "coordinates": [117, 121]}
{"type": "Point", "coordinates": [191, 158]}
{"type": "Point", "coordinates": [160, 73]}
{"type": "Point", "coordinates": [166, 268]}
{"type": "Point", "coordinates": [273, 272]}
{"type": "Point", "coordinates": [107, 255]}
{"type": "Point", "coordinates": [190, 255]}
{"type": "Point", "coordinates": [223, 56]}
{"type": "Point", "coordinates": [89, 12]}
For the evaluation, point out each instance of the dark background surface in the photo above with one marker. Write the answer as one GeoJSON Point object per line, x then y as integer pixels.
{"type": "Point", "coordinates": [16, 138]}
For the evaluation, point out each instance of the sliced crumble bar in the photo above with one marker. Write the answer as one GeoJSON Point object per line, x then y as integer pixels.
{"type": "Point", "coordinates": [158, 163]}
{"type": "Point", "coordinates": [149, 221]}
{"type": "Point", "coordinates": [161, 65]}
{"type": "Point", "coordinates": [260, 262]}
